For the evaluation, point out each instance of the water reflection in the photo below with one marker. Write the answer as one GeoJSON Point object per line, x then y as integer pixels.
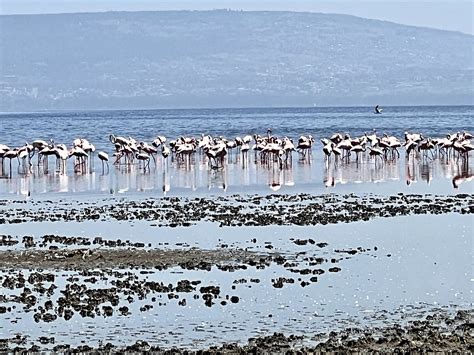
{"type": "Point", "coordinates": [360, 172]}
{"type": "Point", "coordinates": [415, 170]}
{"type": "Point", "coordinates": [239, 174]}
{"type": "Point", "coordinates": [427, 170]}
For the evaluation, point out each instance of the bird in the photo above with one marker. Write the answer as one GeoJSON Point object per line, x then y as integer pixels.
{"type": "Point", "coordinates": [80, 156]}
{"type": "Point", "coordinates": [357, 149]}
{"type": "Point", "coordinates": [345, 145]}
{"type": "Point", "coordinates": [104, 158]}
{"type": "Point", "coordinates": [410, 146]}
{"type": "Point", "coordinates": [247, 139]}
{"type": "Point", "coordinates": [217, 155]}
{"type": "Point", "coordinates": [120, 140]}
{"type": "Point", "coordinates": [288, 147]}
{"type": "Point", "coordinates": [158, 141]}
{"type": "Point", "coordinates": [305, 144]}
{"type": "Point", "coordinates": [149, 149]}
{"type": "Point", "coordinates": [10, 154]}
{"type": "Point", "coordinates": [336, 138]}
{"type": "Point", "coordinates": [145, 158]}
{"type": "Point", "coordinates": [327, 150]}
{"type": "Point", "coordinates": [372, 138]}
{"type": "Point", "coordinates": [62, 154]}
{"type": "Point", "coordinates": [336, 151]}
{"type": "Point", "coordinates": [376, 152]}
{"type": "Point", "coordinates": [165, 151]}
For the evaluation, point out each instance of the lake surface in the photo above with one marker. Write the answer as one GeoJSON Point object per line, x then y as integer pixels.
{"type": "Point", "coordinates": [307, 175]}
{"type": "Point", "coordinates": [398, 273]}
{"type": "Point", "coordinates": [96, 126]}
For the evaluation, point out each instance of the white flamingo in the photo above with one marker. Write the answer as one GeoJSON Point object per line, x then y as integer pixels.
{"type": "Point", "coordinates": [10, 154]}
{"type": "Point", "coordinates": [145, 158]}
{"type": "Point", "coordinates": [104, 158]}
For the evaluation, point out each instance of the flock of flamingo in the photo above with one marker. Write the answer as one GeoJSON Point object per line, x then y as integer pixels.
{"type": "Point", "coordinates": [457, 145]}
{"type": "Point", "coordinates": [266, 149]}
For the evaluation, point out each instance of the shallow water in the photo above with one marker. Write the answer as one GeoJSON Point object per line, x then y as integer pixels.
{"type": "Point", "coordinates": [407, 277]}
{"type": "Point", "coordinates": [316, 176]}
{"type": "Point", "coordinates": [241, 175]}
{"type": "Point", "coordinates": [422, 262]}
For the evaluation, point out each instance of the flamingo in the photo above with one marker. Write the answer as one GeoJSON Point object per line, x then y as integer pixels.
{"type": "Point", "coordinates": [336, 138]}
{"type": "Point", "coordinates": [120, 140]}
{"type": "Point", "coordinates": [305, 144]}
{"type": "Point", "coordinates": [3, 150]}
{"type": "Point", "coordinates": [149, 149]}
{"type": "Point", "coordinates": [24, 153]}
{"type": "Point", "coordinates": [327, 150]}
{"type": "Point", "coordinates": [145, 158]}
{"type": "Point", "coordinates": [336, 151]}
{"type": "Point", "coordinates": [45, 152]}
{"type": "Point", "coordinates": [158, 141]}
{"type": "Point", "coordinates": [372, 138]}
{"type": "Point", "coordinates": [216, 154]}
{"type": "Point", "coordinates": [459, 148]}
{"type": "Point", "coordinates": [238, 141]}
{"type": "Point", "coordinates": [394, 143]}
{"type": "Point", "coordinates": [10, 154]}
{"type": "Point", "coordinates": [39, 144]}
{"type": "Point", "coordinates": [288, 147]}
{"type": "Point", "coordinates": [104, 157]}
{"type": "Point", "coordinates": [62, 155]}
{"type": "Point", "coordinates": [345, 145]}
{"type": "Point", "coordinates": [80, 156]}
{"type": "Point", "coordinates": [165, 151]}
{"type": "Point", "coordinates": [247, 139]}
{"type": "Point", "coordinates": [416, 137]}
{"type": "Point", "coordinates": [425, 146]}
{"type": "Point", "coordinates": [357, 149]}
{"type": "Point", "coordinates": [376, 152]}
{"type": "Point", "coordinates": [410, 147]}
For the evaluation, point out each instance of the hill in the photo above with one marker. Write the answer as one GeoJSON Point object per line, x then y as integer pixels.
{"type": "Point", "coordinates": [225, 59]}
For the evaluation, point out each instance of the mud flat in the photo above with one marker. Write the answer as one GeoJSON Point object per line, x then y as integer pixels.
{"type": "Point", "coordinates": [301, 209]}
{"type": "Point", "coordinates": [301, 273]}
{"type": "Point", "coordinates": [438, 333]}
{"type": "Point", "coordinates": [156, 259]}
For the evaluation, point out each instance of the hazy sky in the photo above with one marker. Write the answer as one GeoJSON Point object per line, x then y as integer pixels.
{"type": "Point", "coordinates": [456, 15]}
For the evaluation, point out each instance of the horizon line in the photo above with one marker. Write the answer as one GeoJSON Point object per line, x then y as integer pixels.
{"type": "Point", "coordinates": [225, 108]}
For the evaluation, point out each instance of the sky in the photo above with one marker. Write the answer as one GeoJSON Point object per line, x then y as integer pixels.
{"type": "Point", "coordinates": [454, 15]}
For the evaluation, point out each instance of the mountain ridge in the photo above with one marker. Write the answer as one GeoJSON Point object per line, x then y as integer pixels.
{"type": "Point", "coordinates": [239, 11]}
{"type": "Point", "coordinates": [220, 58]}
